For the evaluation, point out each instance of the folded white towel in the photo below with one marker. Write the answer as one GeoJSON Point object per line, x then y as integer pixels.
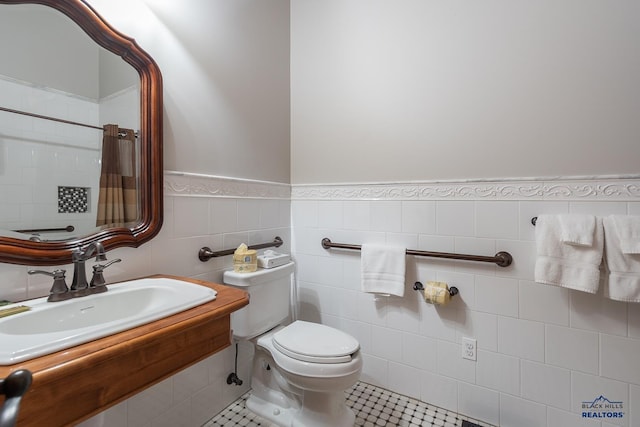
{"type": "Point", "coordinates": [567, 265]}
{"type": "Point", "coordinates": [383, 269]}
{"type": "Point", "coordinates": [628, 231]}
{"type": "Point", "coordinates": [624, 269]}
{"type": "Point", "coordinates": [577, 229]}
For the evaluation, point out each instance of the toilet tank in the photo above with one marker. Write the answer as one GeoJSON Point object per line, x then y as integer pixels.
{"type": "Point", "coordinates": [269, 299]}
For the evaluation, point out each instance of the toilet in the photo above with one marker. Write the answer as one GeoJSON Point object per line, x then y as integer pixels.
{"type": "Point", "coordinates": [300, 369]}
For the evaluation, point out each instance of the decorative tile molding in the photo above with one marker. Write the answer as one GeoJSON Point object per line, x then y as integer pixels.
{"type": "Point", "coordinates": [197, 185]}
{"type": "Point", "coordinates": [563, 188]}
{"type": "Point", "coordinates": [604, 189]}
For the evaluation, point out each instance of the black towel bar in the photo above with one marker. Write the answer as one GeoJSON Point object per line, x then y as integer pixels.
{"type": "Point", "coordinates": [68, 228]}
{"type": "Point", "coordinates": [502, 259]}
{"type": "Point", "coordinates": [205, 253]}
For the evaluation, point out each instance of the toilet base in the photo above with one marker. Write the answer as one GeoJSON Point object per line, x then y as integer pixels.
{"type": "Point", "coordinates": [274, 413]}
{"type": "Point", "coordinates": [285, 405]}
{"type": "Point", "coordinates": [324, 410]}
{"type": "Point", "coordinates": [321, 410]}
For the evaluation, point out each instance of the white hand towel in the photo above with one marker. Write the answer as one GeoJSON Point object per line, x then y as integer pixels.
{"type": "Point", "coordinates": [383, 269]}
{"type": "Point", "coordinates": [628, 231]}
{"type": "Point", "coordinates": [577, 229]}
{"type": "Point", "coordinates": [624, 269]}
{"type": "Point", "coordinates": [567, 265]}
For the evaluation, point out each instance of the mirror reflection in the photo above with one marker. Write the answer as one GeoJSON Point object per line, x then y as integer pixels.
{"type": "Point", "coordinates": [63, 179]}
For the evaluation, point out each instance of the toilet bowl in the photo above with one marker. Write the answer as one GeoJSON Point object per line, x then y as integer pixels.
{"type": "Point", "coordinates": [313, 365]}
{"type": "Point", "coordinates": [300, 370]}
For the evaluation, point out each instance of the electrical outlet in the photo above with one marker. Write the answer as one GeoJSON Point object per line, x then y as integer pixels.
{"type": "Point", "coordinates": [469, 348]}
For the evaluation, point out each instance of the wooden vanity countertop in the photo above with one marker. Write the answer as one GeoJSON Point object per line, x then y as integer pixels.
{"type": "Point", "coordinates": [74, 384]}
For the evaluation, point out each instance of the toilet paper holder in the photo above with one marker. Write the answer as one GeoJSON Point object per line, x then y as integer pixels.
{"type": "Point", "coordinates": [418, 286]}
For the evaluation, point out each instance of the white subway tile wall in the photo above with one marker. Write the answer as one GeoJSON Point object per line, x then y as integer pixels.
{"type": "Point", "coordinates": [546, 384]}
{"type": "Point", "coordinates": [38, 156]}
{"type": "Point", "coordinates": [191, 221]}
{"type": "Point", "coordinates": [541, 350]}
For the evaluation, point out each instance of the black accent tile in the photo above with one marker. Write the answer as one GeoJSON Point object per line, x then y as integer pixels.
{"type": "Point", "coordinates": [73, 199]}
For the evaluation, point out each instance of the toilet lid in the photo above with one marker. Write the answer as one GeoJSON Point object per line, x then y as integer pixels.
{"type": "Point", "coordinates": [312, 342]}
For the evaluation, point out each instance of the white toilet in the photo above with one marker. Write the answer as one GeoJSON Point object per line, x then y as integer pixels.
{"type": "Point", "coordinates": [300, 371]}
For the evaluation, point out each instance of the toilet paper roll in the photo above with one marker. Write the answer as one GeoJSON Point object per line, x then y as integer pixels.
{"type": "Point", "coordinates": [437, 293]}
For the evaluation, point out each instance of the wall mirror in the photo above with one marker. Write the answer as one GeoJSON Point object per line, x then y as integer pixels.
{"type": "Point", "coordinates": [80, 122]}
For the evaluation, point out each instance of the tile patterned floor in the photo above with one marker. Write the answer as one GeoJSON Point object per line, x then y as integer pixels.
{"type": "Point", "coordinates": [374, 406]}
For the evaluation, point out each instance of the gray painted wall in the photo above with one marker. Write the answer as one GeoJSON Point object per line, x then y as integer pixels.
{"type": "Point", "coordinates": [225, 67]}
{"type": "Point", "coordinates": [427, 90]}
{"type": "Point", "coordinates": [44, 47]}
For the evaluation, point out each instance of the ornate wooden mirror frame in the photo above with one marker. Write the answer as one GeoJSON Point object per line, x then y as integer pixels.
{"type": "Point", "coordinates": [17, 251]}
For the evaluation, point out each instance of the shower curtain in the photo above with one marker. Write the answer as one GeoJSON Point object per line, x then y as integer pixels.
{"type": "Point", "coordinates": [118, 195]}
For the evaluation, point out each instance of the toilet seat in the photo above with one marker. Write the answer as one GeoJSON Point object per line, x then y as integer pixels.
{"type": "Point", "coordinates": [315, 343]}
{"type": "Point", "coordinates": [309, 369]}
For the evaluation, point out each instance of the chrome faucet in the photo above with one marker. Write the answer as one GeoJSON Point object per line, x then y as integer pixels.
{"type": "Point", "coordinates": [79, 285]}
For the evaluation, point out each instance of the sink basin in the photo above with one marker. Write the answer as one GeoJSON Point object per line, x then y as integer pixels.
{"type": "Point", "coordinates": [52, 326]}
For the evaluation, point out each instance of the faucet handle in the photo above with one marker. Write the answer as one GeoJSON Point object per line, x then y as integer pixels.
{"type": "Point", "coordinates": [59, 290]}
{"type": "Point", "coordinates": [98, 283]}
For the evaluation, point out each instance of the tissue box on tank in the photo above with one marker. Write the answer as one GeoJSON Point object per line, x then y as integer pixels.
{"type": "Point", "coordinates": [271, 259]}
